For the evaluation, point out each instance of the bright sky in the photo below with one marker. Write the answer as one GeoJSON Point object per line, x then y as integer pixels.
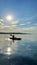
{"type": "Point", "coordinates": [23, 12]}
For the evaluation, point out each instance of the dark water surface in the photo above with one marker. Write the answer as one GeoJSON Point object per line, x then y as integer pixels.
{"type": "Point", "coordinates": [22, 52]}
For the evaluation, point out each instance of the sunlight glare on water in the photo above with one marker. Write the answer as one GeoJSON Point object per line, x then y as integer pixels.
{"type": "Point", "coordinates": [26, 47]}
{"type": "Point", "coordinates": [8, 51]}
{"type": "Point", "coordinates": [7, 46]}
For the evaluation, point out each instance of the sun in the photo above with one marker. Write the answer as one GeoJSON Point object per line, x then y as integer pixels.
{"type": "Point", "coordinates": [9, 18]}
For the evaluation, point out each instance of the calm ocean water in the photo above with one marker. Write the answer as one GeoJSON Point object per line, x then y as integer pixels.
{"type": "Point", "coordinates": [22, 52]}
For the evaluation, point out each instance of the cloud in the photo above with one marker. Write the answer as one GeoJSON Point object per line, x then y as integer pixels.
{"type": "Point", "coordinates": [22, 24]}
{"type": "Point", "coordinates": [27, 21]}
{"type": "Point", "coordinates": [30, 18]}
{"type": "Point", "coordinates": [14, 23]}
{"type": "Point", "coordinates": [1, 24]}
{"type": "Point", "coordinates": [11, 23]}
{"type": "Point", "coordinates": [1, 20]}
{"type": "Point", "coordinates": [13, 26]}
{"type": "Point", "coordinates": [5, 27]}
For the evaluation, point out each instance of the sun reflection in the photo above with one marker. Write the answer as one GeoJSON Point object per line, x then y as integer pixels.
{"type": "Point", "coordinates": [8, 51]}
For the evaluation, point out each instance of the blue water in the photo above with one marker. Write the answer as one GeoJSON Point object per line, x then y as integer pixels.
{"type": "Point", "coordinates": [22, 52]}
